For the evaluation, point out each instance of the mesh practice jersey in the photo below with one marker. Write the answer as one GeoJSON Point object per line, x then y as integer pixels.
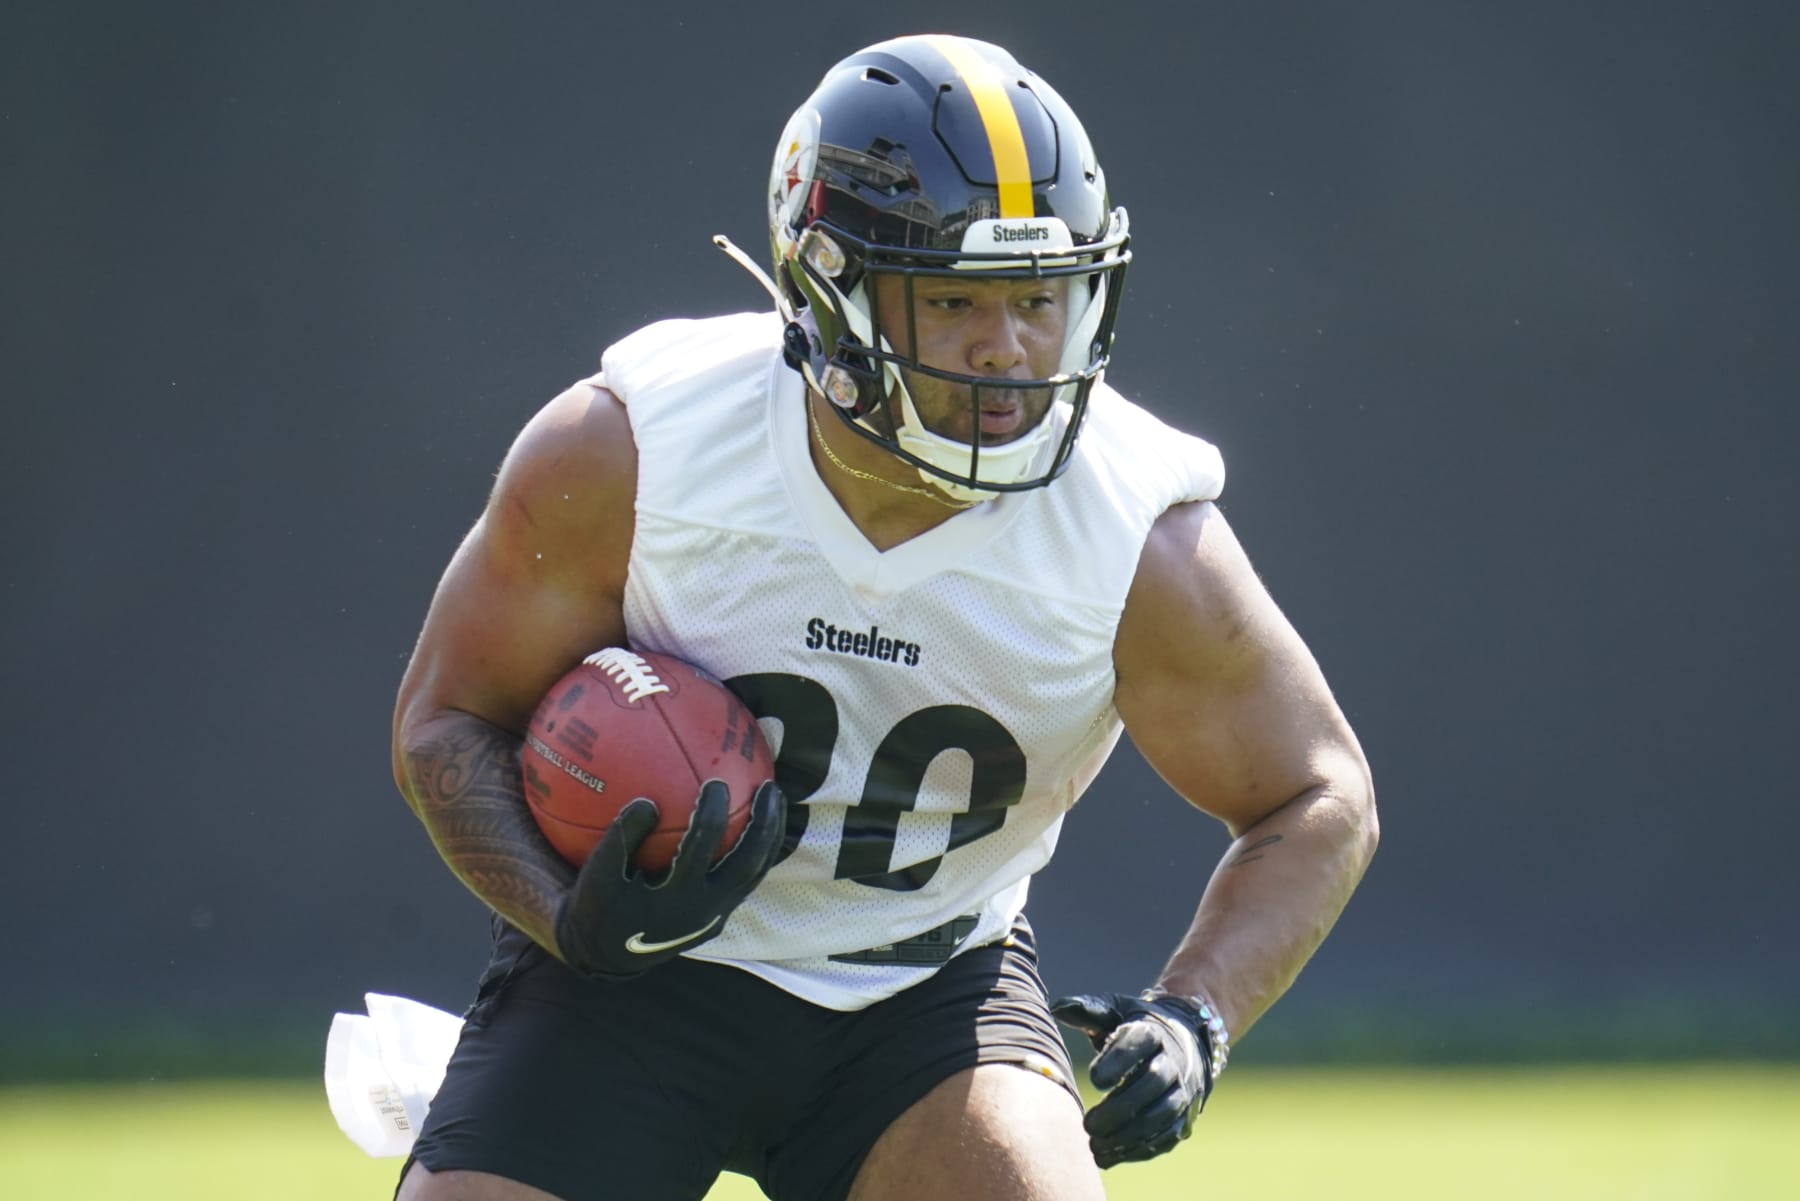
{"type": "Point", "coordinates": [935, 708]}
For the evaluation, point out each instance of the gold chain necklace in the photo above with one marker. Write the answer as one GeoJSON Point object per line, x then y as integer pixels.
{"type": "Point", "coordinates": [933, 493]}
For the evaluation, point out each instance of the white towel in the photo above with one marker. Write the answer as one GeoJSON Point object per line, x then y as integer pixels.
{"type": "Point", "coordinates": [382, 1070]}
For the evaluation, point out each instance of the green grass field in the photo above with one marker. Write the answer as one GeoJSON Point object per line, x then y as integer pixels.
{"type": "Point", "coordinates": [1617, 1134]}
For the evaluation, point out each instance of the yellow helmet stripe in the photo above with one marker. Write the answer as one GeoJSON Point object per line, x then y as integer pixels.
{"type": "Point", "coordinates": [1012, 165]}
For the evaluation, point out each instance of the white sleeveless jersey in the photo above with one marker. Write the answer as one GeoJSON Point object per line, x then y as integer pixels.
{"type": "Point", "coordinates": [934, 708]}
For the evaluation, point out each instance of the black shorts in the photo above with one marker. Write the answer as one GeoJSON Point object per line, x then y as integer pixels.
{"type": "Point", "coordinates": [648, 1089]}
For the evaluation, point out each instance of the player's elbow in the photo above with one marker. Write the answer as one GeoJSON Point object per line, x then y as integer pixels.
{"type": "Point", "coordinates": [1368, 829]}
{"type": "Point", "coordinates": [413, 737]}
{"type": "Point", "coordinates": [401, 779]}
{"type": "Point", "coordinates": [402, 776]}
{"type": "Point", "coordinates": [1348, 798]}
{"type": "Point", "coordinates": [1356, 796]}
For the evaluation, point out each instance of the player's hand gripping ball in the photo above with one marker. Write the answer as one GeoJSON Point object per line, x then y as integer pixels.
{"type": "Point", "coordinates": [628, 724]}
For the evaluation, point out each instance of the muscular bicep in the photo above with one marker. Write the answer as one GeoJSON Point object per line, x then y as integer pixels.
{"type": "Point", "coordinates": [539, 581]}
{"type": "Point", "coordinates": [1215, 687]}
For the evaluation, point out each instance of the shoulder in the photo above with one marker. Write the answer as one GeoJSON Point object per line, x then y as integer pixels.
{"type": "Point", "coordinates": [1129, 468]}
{"type": "Point", "coordinates": [537, 582]}
{"type": "Point", "coordinates": [1192, 574]}
{"type": "Point", "coordinates": [699, 396]}
{"type": "Point", "coordinates": [1197, 614]}
{"type": "Point", "coordinates": [682, 350]}
{"type": "Point", "coordinates": [581, 437]}
{"type": "Point", "coordinates": [568, 482]}
{"type": "Point", "coordinates": [1145, 456]}
{"type": "Point", "coordinates": [1218, 690]}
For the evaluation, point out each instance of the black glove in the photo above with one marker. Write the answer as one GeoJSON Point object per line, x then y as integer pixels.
{"type": "Point", "coordinates": [614, 923]}
{"type": "Point", "coordinates": [1155, 1065]}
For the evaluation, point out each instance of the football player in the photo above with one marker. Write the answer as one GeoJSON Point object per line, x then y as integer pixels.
{"type": "Point", "coordinates": [904, 518]}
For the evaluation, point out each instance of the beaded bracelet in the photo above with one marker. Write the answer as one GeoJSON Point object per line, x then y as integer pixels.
{"type": "Point", "coordinates": [1203, 1017]}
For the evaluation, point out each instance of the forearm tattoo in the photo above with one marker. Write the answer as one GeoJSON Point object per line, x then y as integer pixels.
{"type": "Point", "coordinates": [1254, 851]}
{"type": "Point", "coordinates": [466, 788]}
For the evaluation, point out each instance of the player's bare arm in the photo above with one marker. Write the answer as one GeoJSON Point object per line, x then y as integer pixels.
{"type": "Point", "coordinates": [535, 585]}
{"type": "Point", "coordinates": [1225, 701]}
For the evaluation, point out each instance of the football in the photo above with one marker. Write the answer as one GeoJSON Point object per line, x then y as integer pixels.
{"type": "Point", "coordinates": [626, 724]}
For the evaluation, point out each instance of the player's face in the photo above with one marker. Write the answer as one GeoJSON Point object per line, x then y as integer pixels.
{"type": "Point", "coordinates": [993, 328]}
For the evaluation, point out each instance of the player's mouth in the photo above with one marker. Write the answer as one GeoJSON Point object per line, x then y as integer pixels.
{"type": "Point", "coordinates": [1000, 418]}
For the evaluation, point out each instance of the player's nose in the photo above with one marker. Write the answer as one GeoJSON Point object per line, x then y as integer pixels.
{"type": "Point", "coordinates": [997, 339]}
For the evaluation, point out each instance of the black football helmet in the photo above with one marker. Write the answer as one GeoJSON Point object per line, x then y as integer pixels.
{"type": "Point", "coordinates": [940, 156]}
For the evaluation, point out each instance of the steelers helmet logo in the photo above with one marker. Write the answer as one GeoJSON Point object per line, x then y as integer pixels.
{"type": "Point", "coordinates": [796, 156]}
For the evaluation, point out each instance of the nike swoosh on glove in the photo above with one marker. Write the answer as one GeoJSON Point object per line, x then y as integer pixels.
{"type": "Point", "coordinates": [614, 923]}
{"type": "Point", "coordinates": [1154, 1066]}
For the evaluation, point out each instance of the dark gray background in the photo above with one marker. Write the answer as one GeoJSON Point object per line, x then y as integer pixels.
{"type": "Point", "coordinates": [1490, 306]}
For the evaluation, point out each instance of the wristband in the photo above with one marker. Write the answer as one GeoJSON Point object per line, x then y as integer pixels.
{"type": "Point", "coordinates": [1201, 1016]}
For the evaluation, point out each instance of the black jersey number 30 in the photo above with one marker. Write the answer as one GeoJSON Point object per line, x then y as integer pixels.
{"type": "Point", "coordinates": [809, 730]}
